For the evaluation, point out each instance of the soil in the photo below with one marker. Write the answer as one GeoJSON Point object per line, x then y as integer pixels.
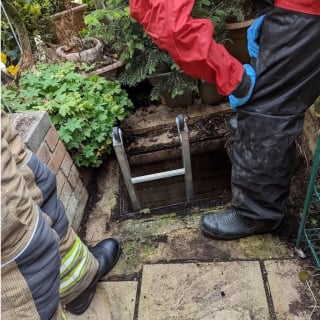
{"type": "Point", "coordinates": [290, 224]}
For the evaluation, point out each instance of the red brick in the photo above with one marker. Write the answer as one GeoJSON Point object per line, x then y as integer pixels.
{"type": "Point", "coordinates": [61, 179]}
{"type": "Point", "coordinates": [57, 157]}
{"type": "Point", "coordinates": [44, 153]}
{"type": "Point", "coordinates": [66, 164]}
{"type": "Point", "coordinates": [73, 176]}
{"type": "Point", "coordinates": [52, 138]}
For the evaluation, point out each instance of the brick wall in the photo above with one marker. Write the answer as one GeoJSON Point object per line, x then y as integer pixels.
{"type": "Point", "coordinates": [42, 138]}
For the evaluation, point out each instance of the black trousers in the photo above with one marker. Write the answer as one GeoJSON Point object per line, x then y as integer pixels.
{"type": "Point", "coordinates": [288, 77]}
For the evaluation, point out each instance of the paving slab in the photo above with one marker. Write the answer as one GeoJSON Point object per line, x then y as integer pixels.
{"type": "Point", "coordinates": [206, 291]}
{"type": "Point", "coordinates": [175, 237]}
{"type": "Point", "coordinates": [292, 298]}
{"type": "Point", "coordinates": [113, 301]}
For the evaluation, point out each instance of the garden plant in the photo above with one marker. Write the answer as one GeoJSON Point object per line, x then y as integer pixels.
{"type": "Point", "coordinates": [83, 109]}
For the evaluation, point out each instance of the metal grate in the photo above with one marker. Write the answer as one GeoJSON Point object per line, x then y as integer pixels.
{"type": "Point", "coordinates": [311, 236]}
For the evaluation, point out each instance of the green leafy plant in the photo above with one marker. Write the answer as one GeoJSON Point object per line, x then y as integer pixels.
{"type": "Point", "coordinates": [36, 16]}
{"type": "Point", "coordinates": [118, 30]}
{"type": "Point", "coordinates": [83, 109]}
{"type": "Point", "coordinates": [221, 12]}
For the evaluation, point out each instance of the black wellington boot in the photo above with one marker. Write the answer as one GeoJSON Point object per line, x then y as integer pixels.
{"type": "Point", "coordinates": [107, 253]}
{"type": "Point", "coordinates": [229, 225]}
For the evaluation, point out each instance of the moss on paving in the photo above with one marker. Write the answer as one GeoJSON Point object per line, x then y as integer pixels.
{"type": "Point", "coordinates": [163, 238]}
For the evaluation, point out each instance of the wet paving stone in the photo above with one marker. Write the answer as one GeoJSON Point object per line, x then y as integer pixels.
{"type": "Point", "coordinates": [113, 301]}
{"type": "Point", "coordinates": [292, 297]}
{"type": "Point", "coordinates": [211, 291]}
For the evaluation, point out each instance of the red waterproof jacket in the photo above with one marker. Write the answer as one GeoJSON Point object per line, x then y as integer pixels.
{"type": "Point", "coordinates": [190, 41]}
{"type": "Point", "coordinates": [304, 6]}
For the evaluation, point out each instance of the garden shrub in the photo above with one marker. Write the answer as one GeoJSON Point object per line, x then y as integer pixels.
{"type": "Point", "coordinates": [83, 109]}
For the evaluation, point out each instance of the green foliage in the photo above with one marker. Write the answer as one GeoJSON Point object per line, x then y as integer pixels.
{"type": "Point", "coordinates": [90, 4]}
{"type": "Point", "coordinates": [143, 58]}
{"type": "Point", "coordinates": [36, 16]}
{"type": "Point", "coordinates": [118, 30]}
{"type": "Point", "coordinates": [175, 82]}
{"type": "Point", "coordinates": [145, 64]}
{"type": "Point", "coordinates": [84, 110]}
{"type": "Point", "coordinates": [221, 12]}
{"type": "Point", "coordinates": [9, 44]}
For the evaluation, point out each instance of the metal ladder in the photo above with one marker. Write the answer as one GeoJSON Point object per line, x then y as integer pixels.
{"type": "Point", "coordinates": [131, 181]}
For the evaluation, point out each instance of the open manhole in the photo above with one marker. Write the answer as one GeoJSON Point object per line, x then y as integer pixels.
{"type": "Point", "coordinates": [211, 180]}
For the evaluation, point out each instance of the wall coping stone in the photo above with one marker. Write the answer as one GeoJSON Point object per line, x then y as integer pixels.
{"type": "Point", "coordinates": [33, 126]}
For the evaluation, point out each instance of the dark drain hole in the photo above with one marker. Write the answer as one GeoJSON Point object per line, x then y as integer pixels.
{"type": "Point", "coordinates": [211, 178]}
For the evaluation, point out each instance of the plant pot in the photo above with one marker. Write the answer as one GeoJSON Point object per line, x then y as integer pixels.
{"type": "Point", "coordinates": [109, 72]}
{"type": "Point", "coordinates": [88, 55]}
{"type": "Point", "coordinates": [208, 93]}
{"type": "Point", "coordinates": [237, 46]}
{"type": "Point", "coordinates": [69, 22]}
{"type": "Point", "coordinates": [183, 100]}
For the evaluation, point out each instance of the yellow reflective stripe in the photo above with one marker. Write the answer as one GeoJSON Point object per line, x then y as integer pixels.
{"type": "Point", "coordinates": [71, 256]}
{"type": "Point", "coordinates": [64, 317]}
{"type": "Point", "coordinates": [75, 277]}
{"type": "Point", "coordinates": [76, 274]}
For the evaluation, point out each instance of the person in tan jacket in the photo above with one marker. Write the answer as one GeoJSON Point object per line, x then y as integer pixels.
{"type": "Point", "coordinates": [44, 264]}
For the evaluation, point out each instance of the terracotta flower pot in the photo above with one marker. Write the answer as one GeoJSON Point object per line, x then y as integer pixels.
{"type": "Point", "coordinates": [88, 55]}
{"type": "Point", "coordinates": [237, 46]}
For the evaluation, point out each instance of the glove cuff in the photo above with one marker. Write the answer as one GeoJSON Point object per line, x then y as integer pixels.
{"type": "Point", "coordinates": [236, 101]}
{"type": "Point", "coordinates": [244, 86]}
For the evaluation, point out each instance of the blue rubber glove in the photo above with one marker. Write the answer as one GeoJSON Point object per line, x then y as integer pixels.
{"type": "Point", "coordinates": [253, 34]}
{"type": "Point", "coordinates": [237, 102]}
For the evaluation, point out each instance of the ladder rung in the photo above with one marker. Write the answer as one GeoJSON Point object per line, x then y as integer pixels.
{"type": "Point", "coordinates": [158, 176]}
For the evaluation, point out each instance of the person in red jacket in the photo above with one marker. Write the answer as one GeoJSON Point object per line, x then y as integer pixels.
{"type": "Point", "coordinates": [270, 96]}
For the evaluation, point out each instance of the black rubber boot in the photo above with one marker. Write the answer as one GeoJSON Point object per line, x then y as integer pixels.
{"type": "Point", "coordinates": [229, 225]}
{"type": "Point", "coordinates": [107, 253]}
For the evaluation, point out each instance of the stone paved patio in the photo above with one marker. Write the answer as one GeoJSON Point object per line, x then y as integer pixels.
{"type": "Point", "coordinates": [212, 291]}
